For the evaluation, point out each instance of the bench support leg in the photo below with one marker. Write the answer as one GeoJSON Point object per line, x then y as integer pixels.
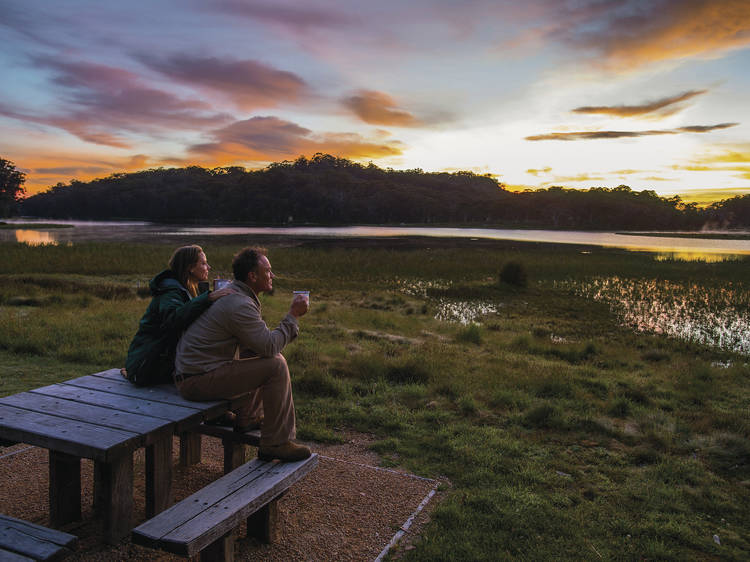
{"type": "Point", "coordinates": [115, 496]}
{"type": "Point", "coordinates": [158, 476]}
{"type": "Point", "coordinates": [221, 550]}
{"type": "Point", "coordinates": [64, 488]}
{"type": "Point", "coordinates": [190, 448]}
{"type": "Point", "coordinates": [235, 455]}
{"type": "Point", "coordinates": [264, 523]}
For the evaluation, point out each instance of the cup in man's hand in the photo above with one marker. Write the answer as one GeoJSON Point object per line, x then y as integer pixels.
{"type": "Point", "coordinates": [221, 283]}
{"type": "Point", "coordinates": [305, 294]}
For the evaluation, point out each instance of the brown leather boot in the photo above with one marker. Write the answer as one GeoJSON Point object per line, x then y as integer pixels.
{"type": "Point", "coordinates": [286, 452]}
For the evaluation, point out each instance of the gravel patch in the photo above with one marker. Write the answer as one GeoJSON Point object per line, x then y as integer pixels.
{"type": "Point", "coordinates": [346, 509]}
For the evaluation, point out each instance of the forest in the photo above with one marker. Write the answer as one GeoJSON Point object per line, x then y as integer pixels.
{"type": "Point", "coordinates": [327, 190]}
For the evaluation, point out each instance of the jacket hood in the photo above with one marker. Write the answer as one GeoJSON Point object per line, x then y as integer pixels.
{"type": "Point", "coordinates": [165, 281]}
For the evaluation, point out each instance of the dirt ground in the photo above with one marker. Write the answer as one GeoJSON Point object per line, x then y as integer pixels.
{"type": "Point", "coordinates": [346, 509]}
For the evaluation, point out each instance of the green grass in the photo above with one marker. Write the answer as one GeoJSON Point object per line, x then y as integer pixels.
{"type": "Point", "coordinates": [562, 434]}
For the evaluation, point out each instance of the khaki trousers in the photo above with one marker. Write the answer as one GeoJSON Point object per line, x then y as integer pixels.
{"type": "Point", "coordinates": [242, 377]}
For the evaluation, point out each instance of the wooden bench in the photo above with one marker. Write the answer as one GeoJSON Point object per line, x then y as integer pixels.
{"type": "Point", "coordinates": [21, 540]}
{"type": "Point", "coordinates": [204, 522]}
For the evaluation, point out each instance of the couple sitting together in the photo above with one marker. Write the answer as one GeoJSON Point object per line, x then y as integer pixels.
{"type": "Point", "coordinates": [216, 345]}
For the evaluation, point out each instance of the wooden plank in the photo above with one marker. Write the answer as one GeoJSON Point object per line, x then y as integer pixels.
{"type": "Point", "coordinates": [167, 395]}
{"type": "Point", "coordinates": [24, 539]}
{"type": "Point", "coordinates": [228, 433]}
{"type": "Point", "coordinates": [8, 556]}
{"type": "Point", "coordinates": [64, 488]}
{"type": "Point", "coordinates": [235, 455]}
{"type": "Point", "coordinates": [212, 512]}
{"type": "Point", "coordinates": [89, 413]}
{"type": "Point", "coordinates": [183, 417]}
{"type": "Point", "coordinates": [67, 436]}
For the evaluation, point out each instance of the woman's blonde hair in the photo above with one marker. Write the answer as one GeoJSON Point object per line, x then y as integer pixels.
{"type": "Point", "coordinates": [181, 262]}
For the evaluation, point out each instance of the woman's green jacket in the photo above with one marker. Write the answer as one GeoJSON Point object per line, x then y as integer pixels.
{"type": "Point", "coordinates": [151, 354]}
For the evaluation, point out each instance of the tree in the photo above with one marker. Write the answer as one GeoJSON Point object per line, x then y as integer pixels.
{"type": "Point", "coordinates": [11, 187]}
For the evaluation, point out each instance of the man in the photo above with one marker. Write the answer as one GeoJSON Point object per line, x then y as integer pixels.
{"type": "Point", "coordinates": [211, 363]}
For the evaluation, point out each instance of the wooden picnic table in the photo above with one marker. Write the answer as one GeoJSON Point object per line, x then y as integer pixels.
{"type": "Point", "coordinates": [105, 418]}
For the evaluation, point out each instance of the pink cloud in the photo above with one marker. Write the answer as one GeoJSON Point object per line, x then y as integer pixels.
{"type": "Point", "coordinates": [264, 139]}
{"type": "Point", "coordinates": [101, 104]}
{"type": "Point", "coordinates": [250, 84]}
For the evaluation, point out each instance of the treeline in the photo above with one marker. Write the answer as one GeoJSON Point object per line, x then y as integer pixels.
{"type": "Point", "coordinates": [334, 191]}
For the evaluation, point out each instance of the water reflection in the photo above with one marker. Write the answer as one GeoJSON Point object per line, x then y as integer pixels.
{"type": "Point", "coordinates": [448, 310]}
{"type": "Point", "coordinates": [696, 256]}
{"type": "Point", "coordinates": [706, 249]}
{"type": "Point", "coordinates": [35, 237]}
{"type": "Point", "coordinates": [715, 316]}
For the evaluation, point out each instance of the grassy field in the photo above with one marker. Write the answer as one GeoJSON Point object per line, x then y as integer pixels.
{"type": "Point", "coordinates": [561, 434]}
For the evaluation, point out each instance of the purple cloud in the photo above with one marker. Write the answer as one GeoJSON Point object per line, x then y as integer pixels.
{"type": "Point", "coordinates": [250, 84]}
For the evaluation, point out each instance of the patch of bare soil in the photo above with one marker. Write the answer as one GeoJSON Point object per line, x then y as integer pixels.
{"type": "Point", "coordinates": [346, 509]}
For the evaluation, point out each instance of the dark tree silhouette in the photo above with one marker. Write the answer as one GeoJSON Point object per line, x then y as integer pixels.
{"type": "Point", "coordinates": [11, 187]}
{"type": "Point", "coordinates": [325, 189]}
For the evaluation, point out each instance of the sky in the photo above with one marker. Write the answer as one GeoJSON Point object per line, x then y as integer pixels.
{"type": "Point", "coordinates": [652, 94]}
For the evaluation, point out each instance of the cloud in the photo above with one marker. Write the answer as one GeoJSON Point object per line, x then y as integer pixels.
{"type": "Point", "coordinates": [662, 107]}
{"type": "Point", "coordinates": [101, 103]}
{"type": "Point", "coordinates": [639, 33]}
{"type": "Point", "coordinates": [378, 108]}
{"type": "Point", "coordinates": [264, 139]}
{"type": "Point", "coordinates": [627, 35]}
{"type": "Point", "coordinates": [537, 172]}
{"type": "Point", "coordinates": [249, 84]}
{"type": "Point", "coordinates": [298, 17]}
{"type": "Point", "coordinates": [594, 135]}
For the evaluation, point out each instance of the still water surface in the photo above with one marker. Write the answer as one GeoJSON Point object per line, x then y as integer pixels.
{"type": "Point", "coordinates": [664, 246]}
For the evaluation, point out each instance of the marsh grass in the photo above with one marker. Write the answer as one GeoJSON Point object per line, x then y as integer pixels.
{"type": "Point", "coordinates": [561, 433]}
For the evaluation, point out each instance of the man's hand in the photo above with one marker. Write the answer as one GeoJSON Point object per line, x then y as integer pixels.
{"type": "Point", "coordinates": [299, 306]}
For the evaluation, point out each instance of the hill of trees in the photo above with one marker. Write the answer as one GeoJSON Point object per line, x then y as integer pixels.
{"type": "Point", "coordinates": [334, 191]}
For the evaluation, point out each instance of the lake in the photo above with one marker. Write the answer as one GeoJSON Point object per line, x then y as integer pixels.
{"type": "Point", "coordinates": [663, 245]}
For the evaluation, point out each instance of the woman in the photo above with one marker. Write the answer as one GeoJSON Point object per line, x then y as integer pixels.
{"type": "Point", "coordinates": [175, 304]}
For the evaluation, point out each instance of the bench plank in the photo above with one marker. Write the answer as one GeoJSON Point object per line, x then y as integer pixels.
{"type": "Point", "coordinates": [68, 436]}
{"type": "Point", "coordinates": [189, 526]}
{"type": "Point", "coordinates": [33, 541]}
{"type": "Point", "coordinates": [85, 412]}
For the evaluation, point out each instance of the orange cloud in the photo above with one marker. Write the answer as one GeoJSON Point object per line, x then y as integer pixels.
{"type": "Point", "coordinates": [660, 108]}
{"type": "Point", "coordinates": [537, 172]}
{"type": "Point", "coordinates": [378, 108]}
{"type": "Point", "coordinates": [265, 139]}
{"type": "Point", "coordinates": [651, 32]}
{"type": "Point", "coordinates": [249, 84]}
{"type": "Point", "coordinates": [594, 135]}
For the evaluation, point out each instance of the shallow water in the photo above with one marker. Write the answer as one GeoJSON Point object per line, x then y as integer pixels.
{"type": "Point", "coordinates": [715, 316]}
{"type": "Point", "coordinates": [665, 247]}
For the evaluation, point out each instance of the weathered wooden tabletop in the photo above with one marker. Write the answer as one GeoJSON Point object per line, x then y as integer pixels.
{"type": "Point", "coordinates": [105, 418]}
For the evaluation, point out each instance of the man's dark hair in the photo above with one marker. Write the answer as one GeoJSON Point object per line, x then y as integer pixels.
{"type": "Point", "coordinates": [245, 261]}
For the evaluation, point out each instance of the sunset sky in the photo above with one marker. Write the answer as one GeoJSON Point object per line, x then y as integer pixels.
{"type": "Point", "coordinates": [651, 94]}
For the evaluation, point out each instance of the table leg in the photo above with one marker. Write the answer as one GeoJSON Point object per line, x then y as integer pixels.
{"type": "Point", "coordinates": [64, 488]}
{"type": "Point", "coordinates": [190, 448]}
{"type": "Point", "coordinates": [115, 496]}
{"type": "Point", "coordinates": [235, 455]}
{"type": "Point", "coordinates": [158, 476]}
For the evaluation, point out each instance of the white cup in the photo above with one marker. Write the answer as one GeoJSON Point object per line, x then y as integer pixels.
{"type": "Point", "coordinates": [305, 294]}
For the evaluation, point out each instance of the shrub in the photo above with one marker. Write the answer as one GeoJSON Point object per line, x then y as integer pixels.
{"type": "Point", "coordinates": [514, 273]}
{"type": "Point", "coordinates": [471, 334]}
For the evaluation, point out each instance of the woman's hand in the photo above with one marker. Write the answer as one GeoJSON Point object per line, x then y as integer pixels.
{"type": "Point", "coordinates": [215, 295]}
